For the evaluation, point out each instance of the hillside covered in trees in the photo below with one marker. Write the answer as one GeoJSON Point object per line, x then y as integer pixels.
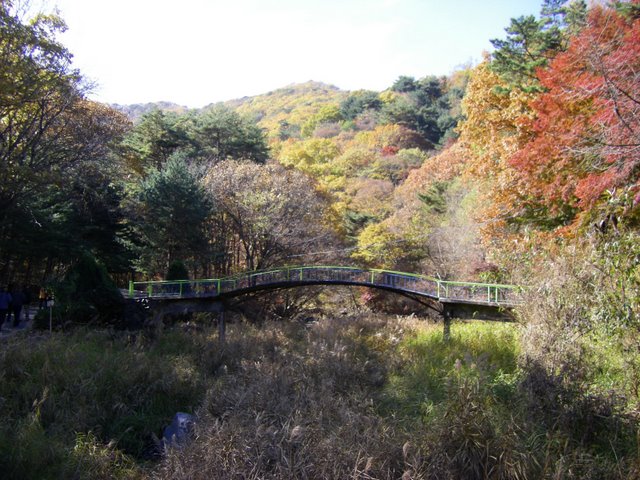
{"type": "Point", "coordinates": [522, 169]}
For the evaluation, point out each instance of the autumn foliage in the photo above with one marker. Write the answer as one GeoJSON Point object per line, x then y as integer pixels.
{"type": "Point", "coordinates": [586, 137]}
{"type": "Point", "coordinates": [557, 157]}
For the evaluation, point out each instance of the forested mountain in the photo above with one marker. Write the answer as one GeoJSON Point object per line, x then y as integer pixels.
{"type": "Point", "coordinates": [291, 104]}
{"type": "Point", "coordinates": [355, 148]}
{"type": "Point", "coordinates": [283, 112]}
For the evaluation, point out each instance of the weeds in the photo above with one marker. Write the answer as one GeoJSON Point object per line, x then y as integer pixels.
{"type": "Point", "coordinates": [91, 382]}
{"type": "Point", "coordinates": [489, 350]}
{"type": "Point", "coordinates": [356, 397]}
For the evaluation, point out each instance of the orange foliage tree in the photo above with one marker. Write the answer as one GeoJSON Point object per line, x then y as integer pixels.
{"type": "Point", "coordinates": [495, 128]}
{"type": "Point", "coordinates": [586, 135]}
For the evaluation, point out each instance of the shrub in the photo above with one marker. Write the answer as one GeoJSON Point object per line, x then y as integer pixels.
{"type": "Point", "coordinates": [87, 294]}
{"type": "Point", "coordinates": [177, 271]}
{"type": "Point", "coordinates": [581, 353]}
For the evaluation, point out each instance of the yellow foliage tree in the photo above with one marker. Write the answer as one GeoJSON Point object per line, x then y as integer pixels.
{"type": "Point", "coordinates": [313, 156]}
{"type": "Point", "coordinates": [384, 137]}
{"type": "Point", "coordinates": [327, 113]}
{"type": "Point", "coordinates": [354, 159]}
{"type": "Point", "coordinates": [494, 129]}
{"type": "Point", "coordinates": [378, 246]}
{"type": "Point", "coordinates": [370, 196]}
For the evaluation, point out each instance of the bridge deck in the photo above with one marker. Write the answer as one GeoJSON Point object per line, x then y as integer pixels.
{"type": "Point", "coordinates": [494, 295]}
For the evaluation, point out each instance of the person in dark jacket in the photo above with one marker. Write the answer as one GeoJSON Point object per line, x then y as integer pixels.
{"type": "Point", "coordinates": [17, 301]}
{"type": "Point", "coordinates": [5, 301]}
{"type": "Point", "coordinates": [26, 292]}
{"type": "Point", "coordinates": [42, 298]}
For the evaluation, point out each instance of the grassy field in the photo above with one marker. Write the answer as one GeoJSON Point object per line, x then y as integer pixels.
{"type": "Point", "coordinates": [362, 397]}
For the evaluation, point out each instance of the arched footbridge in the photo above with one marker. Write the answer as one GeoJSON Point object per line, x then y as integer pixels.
{"type": "Point", "coordinates": [449, 298]}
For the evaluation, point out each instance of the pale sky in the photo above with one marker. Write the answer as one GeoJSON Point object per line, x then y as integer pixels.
{"type": "Point", "coordinates": [195, 52]}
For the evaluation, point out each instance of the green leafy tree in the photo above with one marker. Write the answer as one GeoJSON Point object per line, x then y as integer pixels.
{"type": "Point", "coordinates": [87, 294]}
{"type": "Point", "coordinates": [38, 87]}
{"type": "Point", "coordinates": [50, 138]}
{"type": "Point", "coordinates": [221, 134]}
{"type": "Point", "coordinates": [423, 107]}
{"type": "Point", "coordinates": [327, 114]}
{"type": "Point", "coordinates": [434, 198]}
{"type": "Point", "coordinates": [154, 139]}
{"type": "Point", "coordinates": [173, 210]}
{"type": "Point", "coordinates": [75, 207]}
{"type": "Point", "coordinates": [214, 135]}
{"type": "Point", "coordinates": [177, 271]}
{"type": "Point", "coordinates": [532, 42]}
{"type": "Point", "coordinates": [404, 84]}
{"type": "Point", "coordinates": [359, 102]}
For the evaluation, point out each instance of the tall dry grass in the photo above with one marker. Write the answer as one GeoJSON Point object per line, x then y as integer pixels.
{"type": "Point", "coordinates": [300, 409]}
{"type": "Point", "coordinates": [366, 396]}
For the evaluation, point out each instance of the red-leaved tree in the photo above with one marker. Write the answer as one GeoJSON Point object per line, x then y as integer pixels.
{"type": "Point", "coordinates": [586, 132]}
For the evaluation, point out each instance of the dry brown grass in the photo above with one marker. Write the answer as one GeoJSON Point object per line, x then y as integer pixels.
{"type": "Point", "coordinates": [294, 402]}
{"type": "Point", "coordinates": [299, 410]}
{"type": "Point", "coordinates": [365, 397]}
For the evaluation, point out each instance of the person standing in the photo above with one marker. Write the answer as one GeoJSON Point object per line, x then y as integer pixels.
{"type": "Point", "coordinates": [42, 297]}
{"type": "Point", "coordinates": [17, 300]}
{"type": "Point", "coordinates": [26, 292]}
{"type": "Point", "coordinates": [5, 301]}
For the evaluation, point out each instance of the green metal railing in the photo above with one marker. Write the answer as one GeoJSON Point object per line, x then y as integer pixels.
{"type": "Point", "coordinates": [442, 290]}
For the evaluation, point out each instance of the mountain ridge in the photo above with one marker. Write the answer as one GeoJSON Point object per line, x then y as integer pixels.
{"type": "Point", "coordinates": [135, 111]}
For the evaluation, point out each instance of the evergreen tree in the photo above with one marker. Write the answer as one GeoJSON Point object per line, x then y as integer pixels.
{"type": "Point", "coordinates": [173, 210]}
{"type": "Point", "coordinates": [153, 140]}
{"type": "Point", "coordinates": [222, 134]}
{"type": "Point", "coordinates": [359, 102]}
{"type": "Point", "coordinates": [421, 106]}
{"type": "Point", "coordinates": [532, 42]}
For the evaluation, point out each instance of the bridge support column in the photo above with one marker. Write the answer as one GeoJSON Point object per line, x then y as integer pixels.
{"type": "Point", "coordinates": [446, 320]}
{"type": "Point", "coordinates": [221, 327]}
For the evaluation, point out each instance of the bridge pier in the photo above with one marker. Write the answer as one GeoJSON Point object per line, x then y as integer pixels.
{"type": "Point", "coordinates": [221, 327]}
{"type": "Point", "coordinates": [446, 320]}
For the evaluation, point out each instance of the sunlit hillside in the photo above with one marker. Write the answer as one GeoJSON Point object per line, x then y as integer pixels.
{"type": "Point", "coordinates": [284, 111]}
